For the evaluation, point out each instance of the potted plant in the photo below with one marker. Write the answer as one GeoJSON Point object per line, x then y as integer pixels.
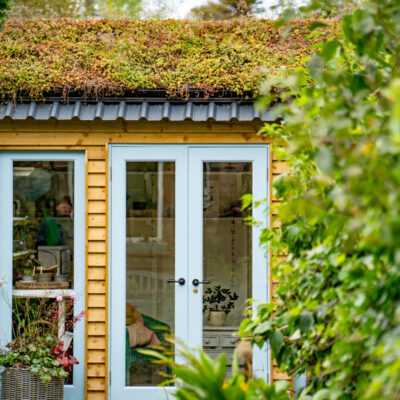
{"type": "Point", "coordinates": [24, 266]}
{"type": "Point", "coordinates": [219, 302]}
{"type": "Point", "coordinates": [28, 274]}
{"type": "Point", "coordinates": [37, 361]}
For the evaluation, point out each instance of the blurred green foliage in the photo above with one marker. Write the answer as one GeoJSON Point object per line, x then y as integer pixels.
{"type": "Point", "coordinates": [337, 253]}
{"type": "Point", "coordinates": [227, 9]}
{"type": "Point", "coordinates": [118, 8]}
{"type": "Point", "coordinates": [44, 8]}
{"type": "Point", "coordinates": [4, 6]}
{"type": "Point", "coordinates": [74, 8]}
{"type": "Point", "coordinates": [198, 377]}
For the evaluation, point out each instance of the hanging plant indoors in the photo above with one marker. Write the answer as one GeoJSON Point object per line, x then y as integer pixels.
{"type": "Point", "coordinates": [219, 302]}
{"type": "Point", "coordinates": [39, 359]}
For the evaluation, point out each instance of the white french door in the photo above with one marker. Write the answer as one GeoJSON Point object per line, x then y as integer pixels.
{"type": "Point", "coordinates": [178, 234]}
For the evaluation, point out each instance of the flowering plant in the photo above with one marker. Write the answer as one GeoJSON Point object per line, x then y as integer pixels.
{"type": "Point", "coordinates": [39, 343]}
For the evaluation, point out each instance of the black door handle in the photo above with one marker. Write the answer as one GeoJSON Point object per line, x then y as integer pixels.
{"type": "Point", "coordinates": [181, 281]}
{"type": "Point", "coordinates": [196, 282]}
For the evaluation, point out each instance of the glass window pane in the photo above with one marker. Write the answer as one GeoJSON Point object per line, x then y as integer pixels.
{"type": "Point", "coordinates": [150, 262]}
{"type": "Point", "coordinates": [43, 246]}
{"type": "Point", "coordinates": [227, 253]}
{"type": "Point", "coordinates": [43, 224]}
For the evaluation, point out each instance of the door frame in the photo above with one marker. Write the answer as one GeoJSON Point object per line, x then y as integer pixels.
{"type": "Point", "coordinates": [6, 231]}
{"type": "Point", "coordinates": [116, 179]}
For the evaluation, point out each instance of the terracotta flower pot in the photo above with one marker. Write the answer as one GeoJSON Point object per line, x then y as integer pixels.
{"type": "Point", "coordinates": [217, 318]}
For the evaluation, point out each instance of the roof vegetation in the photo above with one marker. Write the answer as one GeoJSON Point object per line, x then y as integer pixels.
{"type": "Point", "coordinates": [99, 58]}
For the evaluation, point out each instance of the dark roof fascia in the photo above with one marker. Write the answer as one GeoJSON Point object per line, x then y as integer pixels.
{"type": "Point", "coordinates": [128, 109]}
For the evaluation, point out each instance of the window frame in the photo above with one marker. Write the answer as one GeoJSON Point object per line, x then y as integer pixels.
{"type": "Point", "coordinates": [7, 158]}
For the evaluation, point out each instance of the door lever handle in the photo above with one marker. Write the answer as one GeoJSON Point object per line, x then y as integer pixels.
{"type": "Point", "coordinates": [181, 281]}
{"type": "Point", "coordinates": [196, 282]}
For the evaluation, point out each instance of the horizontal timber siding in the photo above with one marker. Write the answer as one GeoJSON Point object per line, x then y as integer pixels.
{"type": "Point", "coordinates": [277, 168]}
{"type": "Point", "coordinates": [93, 138]}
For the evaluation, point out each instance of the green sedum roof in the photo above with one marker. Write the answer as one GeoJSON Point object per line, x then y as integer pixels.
{"type": "Point", "coordinates": [97, 58]}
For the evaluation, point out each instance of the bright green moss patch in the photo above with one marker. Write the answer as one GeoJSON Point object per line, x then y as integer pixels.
{"type": "Point", "coordinates": [96, 58]}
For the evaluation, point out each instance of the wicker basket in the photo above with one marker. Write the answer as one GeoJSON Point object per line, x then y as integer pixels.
{"type": "Point", "coordinates": [20, 384]}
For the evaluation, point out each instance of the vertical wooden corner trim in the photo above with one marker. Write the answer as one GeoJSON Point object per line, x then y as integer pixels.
{"type": "Point", "coordinates": [107, 152]}
{"type": "Point", "coordinates": [271, 296]}
{"type": "Point", "coordinates": [86, 270]}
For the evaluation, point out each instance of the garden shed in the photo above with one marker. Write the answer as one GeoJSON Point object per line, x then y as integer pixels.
{"type": "Point", "coordinates": [125, 150]}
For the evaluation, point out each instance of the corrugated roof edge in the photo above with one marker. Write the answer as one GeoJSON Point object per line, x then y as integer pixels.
{"type": "Point", "coordinates": [221, 110]}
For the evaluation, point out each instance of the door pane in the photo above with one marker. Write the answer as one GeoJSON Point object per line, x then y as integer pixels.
{"type": "Point", "coordinates": [150, 262]}
{"type": "Point", "coordinates": [227, 255]}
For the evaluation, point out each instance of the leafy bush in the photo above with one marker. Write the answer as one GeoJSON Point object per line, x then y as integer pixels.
{"type": "Point", "coordinates": [337, 253]}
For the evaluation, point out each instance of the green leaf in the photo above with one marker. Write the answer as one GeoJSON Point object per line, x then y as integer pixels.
{"type": "Point", "coordinates": [347, 25]}
{"type": "Point", "coordinates": [281, 387]}
{"type": "Point", "coordinates": [315, 25]}
{"type": "Point", "coordinates": [329, 50]}
{"type": "Point", "coordinates": [263, 328]}
{"type": "Point", "coordinates": [296, 335]}
{"type": "Point", "coordinates": [305, 321]}
{"type": "Point", "coordinates": [316, 65]}
{"type": "Point", "coordinates": [276, 341]}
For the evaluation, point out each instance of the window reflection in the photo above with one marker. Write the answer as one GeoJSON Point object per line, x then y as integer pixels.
{"type": "Point", "coordinates": [150, 262]}
{"type": "Point", "coordinates": [227, 254]}
{"type": "Point", "coordinates": [43, 224]}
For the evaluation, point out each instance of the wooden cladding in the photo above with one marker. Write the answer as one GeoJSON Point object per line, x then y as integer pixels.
{"type": "Point", "coordinates": [277, 168]}
{"type": "Point", "coordinates": [93, 138]}
{"type": "Point", "coordinates": [97, 282]}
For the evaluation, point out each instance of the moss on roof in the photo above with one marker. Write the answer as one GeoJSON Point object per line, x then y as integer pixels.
{"type": "Point", "coordinates": [112, 58]}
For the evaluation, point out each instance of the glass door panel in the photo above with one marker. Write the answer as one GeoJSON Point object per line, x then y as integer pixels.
{"type": "Point", "coordinates": [150, 264]}
{"type": "Point", "coordinates": [227, 266]}
{"type": "Point", "coordinates": [227, 251]}
{"type": "Point", "coordinates": [226, 241]}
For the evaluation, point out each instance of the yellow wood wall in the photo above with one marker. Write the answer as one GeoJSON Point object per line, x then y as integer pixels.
{"type": "Point", "coordinates": [93, 138]}
{"type": "Point", "coordinates": [277, 168]}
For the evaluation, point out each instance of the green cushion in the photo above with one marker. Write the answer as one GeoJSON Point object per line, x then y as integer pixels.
{"type": "Point", "coordinates": [161, 329]}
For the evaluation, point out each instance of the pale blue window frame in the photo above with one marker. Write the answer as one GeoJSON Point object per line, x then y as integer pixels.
{"type": "Point", "coordinates": [75, 391]}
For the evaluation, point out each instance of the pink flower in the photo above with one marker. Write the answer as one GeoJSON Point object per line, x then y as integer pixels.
{"type": "Point", "coordinates": [59, 298]}
{"type": "Point", "coordinates": [72, 296]}
{"type": "Point", "coordinates": [1, 281]}
{"type": "Point", "coordinates": [58, 349]}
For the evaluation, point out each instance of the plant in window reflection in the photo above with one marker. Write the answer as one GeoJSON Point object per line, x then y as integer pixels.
{"type": "Point", "coordinates": [218, 300]}
{"type": "Point", "coordinates": [36, 344]}
{"type": "Point", "coordinates": [25, 232]}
